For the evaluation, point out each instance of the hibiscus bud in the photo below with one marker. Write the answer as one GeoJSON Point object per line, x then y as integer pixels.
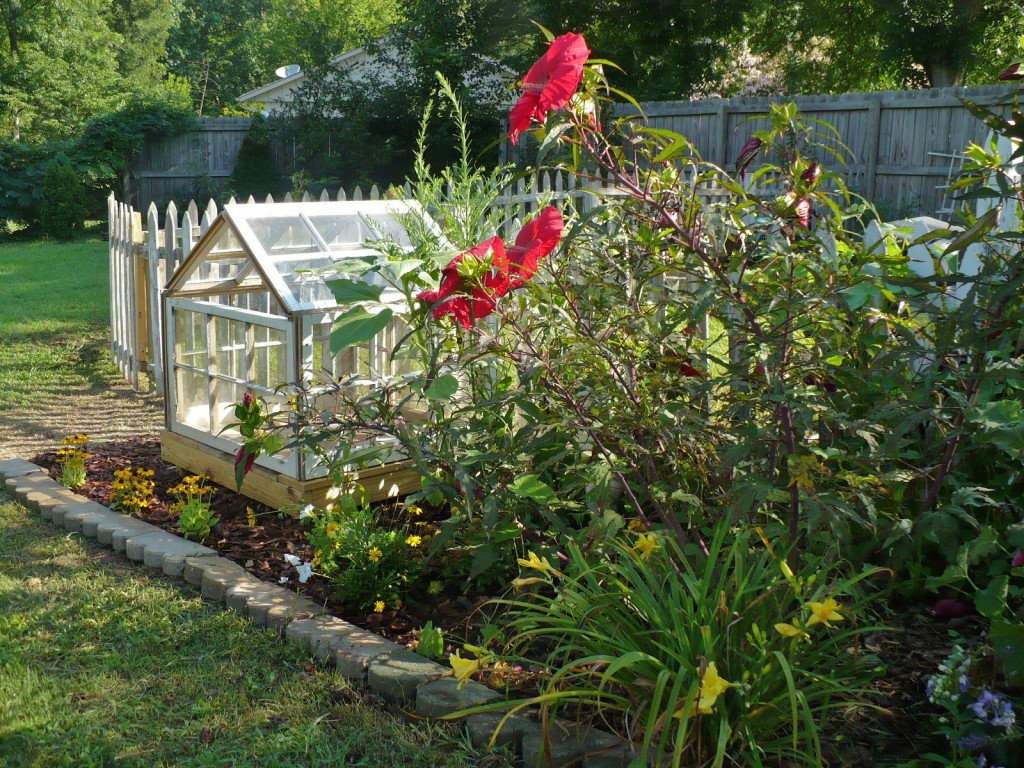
{"type": "Point", "coordinates": [811, 174]}
{"type": "Point", "coordinates": [248, 400]}
{"type": "Point", "coordinates": [1013, 72]}
{"type": "Point", "coordinates": [747, 154]}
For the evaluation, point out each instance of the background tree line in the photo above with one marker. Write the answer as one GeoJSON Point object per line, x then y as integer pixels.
{"type": "Point", "coordinates": [81, 81]}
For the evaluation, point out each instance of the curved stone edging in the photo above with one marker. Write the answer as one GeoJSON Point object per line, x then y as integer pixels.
{"type": "Point", "coordinates": [398, 675]}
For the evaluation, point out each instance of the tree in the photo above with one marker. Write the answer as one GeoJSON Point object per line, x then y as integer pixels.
{"type": "Point", "coordinates": [666, 48]}
{"type": "Point", "coordinates": [895, 43]}
{"type": "Point", "coordinates": [144, 26]}
{"type": "Point", "coordinates": [57, 70]}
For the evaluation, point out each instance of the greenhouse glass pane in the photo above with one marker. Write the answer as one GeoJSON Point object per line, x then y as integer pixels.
{"type": "Point", "coordinates": [225, 395]}
{"type": "Point", "coordinates": [190, 339]}
{"type": "Point", "coordinates": [271, 358]}
{"type": "Point", "coordinates": [231, 343]}
{"type": "Point", "coordinates": [193, 399]}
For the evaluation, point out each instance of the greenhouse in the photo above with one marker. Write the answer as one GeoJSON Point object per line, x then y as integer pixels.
{"type": "Point", "coordinates": [250, 310]}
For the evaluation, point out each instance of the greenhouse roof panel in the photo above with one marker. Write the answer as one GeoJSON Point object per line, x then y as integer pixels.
{"type": "Point", "coordinates": [295, 245]}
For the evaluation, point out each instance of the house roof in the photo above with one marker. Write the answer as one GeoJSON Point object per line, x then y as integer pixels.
{"type": "Point", "coordinates": [292, 81]}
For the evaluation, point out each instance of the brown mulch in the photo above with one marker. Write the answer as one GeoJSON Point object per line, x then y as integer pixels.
{"type": "Point", "coordinates": [260, 549]}
{"type": "Point", "coordinates": [911, 652]}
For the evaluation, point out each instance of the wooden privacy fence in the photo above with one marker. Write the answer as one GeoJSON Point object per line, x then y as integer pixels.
{"type": "Point", "coordinates": [145, 253]}
{"type": "Point", "coordinates": [193, 164]}
{"type": "Point", "coordinates": [900, 146]}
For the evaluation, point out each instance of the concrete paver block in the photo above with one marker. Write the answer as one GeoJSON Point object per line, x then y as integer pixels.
{"type": "Point", "coordinates": [397, 674]}
{"type": "Point", "coordinates": [482, 728]}
{"type": "Point", "coordinates": [130, 529]}
{"type": "Point", "coordinates": [353, 651]}
{"type": "Point", "coordinates": [124, 525]}
{"type": "Point", "coordinates": [18, 467]}
{"type": "Point", "coordinates": [444, 696]}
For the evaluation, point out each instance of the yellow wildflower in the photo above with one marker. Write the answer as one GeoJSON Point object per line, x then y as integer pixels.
{"type": "Point", "coordinates": [646, 543]}
{"type": "Point", "coordinates": [250, 517]}
{"type": "Point", "coordinates": [413, 510]}
{"type": "Point", "coordinates": [824, 613]}
{"type": "Point", "coordinates": [378, 607]}
{"type": "Point", "coordinates": [464, 668]}
{"type": "Point", "coordinates": [537, 563]}
{"type": "Point", "coordinates": [711, 687]}
{"type": "Point", "coordinates": [791, 630]}
{"type": "Point", "coordinates": [435, 588]}
{"type": "Point", "coordinates": [414, 540]}
{"type": "Point", "coordinates": [332, 531]}
{"type": "Point", "coordinates": [637, 524]}
{"type": "Point", "coordinates": [375, 554]}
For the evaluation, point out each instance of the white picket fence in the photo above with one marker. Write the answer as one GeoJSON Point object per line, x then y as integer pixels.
{"type": "Point", "coordinates": [143, 256]}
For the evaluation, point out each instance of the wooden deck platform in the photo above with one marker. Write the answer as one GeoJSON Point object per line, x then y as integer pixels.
{"type": "Point", "coordinates": [276, 490]}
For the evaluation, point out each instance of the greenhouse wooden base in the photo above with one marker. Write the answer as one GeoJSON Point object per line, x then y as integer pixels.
{"type": "Point", "coordinates": [276, 490]}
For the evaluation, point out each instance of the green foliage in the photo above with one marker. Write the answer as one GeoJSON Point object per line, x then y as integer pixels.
{"type": "Point", "coordinates": [62, 213]}
{"type": "Point", "coordinates": [195, 516]}
{"type": "Point", "coordinates": [371, 567]}
{"type": "Point", "coordinates": [693, 657]}
{"type": "Point", "coordinates": [256, 173]}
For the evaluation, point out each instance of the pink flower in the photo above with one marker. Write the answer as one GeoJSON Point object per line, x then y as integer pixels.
{"type": "Point", "coordinates": [469, 299]}
{"type": "Point", "coordinates": [248, 400]}
{"type": "Point", "coordinates": [1018, 559]}
{"type": "Point", "coordinates": [550, 83]}
{"type": "Point", "coordinates": [534, 241]}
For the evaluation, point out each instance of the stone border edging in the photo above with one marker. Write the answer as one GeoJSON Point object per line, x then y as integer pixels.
{"type": "Point", "coordinates": [391, 671]}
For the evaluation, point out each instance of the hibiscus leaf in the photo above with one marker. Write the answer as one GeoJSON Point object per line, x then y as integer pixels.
{"type": "Point", "coordinates": [352, 291]}
{"type": "Point", "coordinates": [356, 326]}
{"type": "Point", "coordinates": [442, 388]}
{"type": "Point", "coordinates": [531, 487]}
{"type": "Point", "coordinates": [1008, 645]}
{"type": "Point", "coordinates": [974, 234]}
{"type": "Point", "coordinates": [673, 150]}
{"type": "Point", "coordinates": [991, 601]}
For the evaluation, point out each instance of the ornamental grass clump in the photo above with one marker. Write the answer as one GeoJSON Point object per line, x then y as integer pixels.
{"type": "Point", "coordinates": [192, 507]}
{"type": "Point", "coordinates": [694, 658]}
{"type": "Point", "coordinates": [72, 461]}
{"type": "Point", "coordinates": [132, 490]}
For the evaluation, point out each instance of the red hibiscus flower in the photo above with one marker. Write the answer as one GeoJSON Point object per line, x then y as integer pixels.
{"type": "Point", "coordinates": [468, 299]}
{"type": "Point", "coordinates": [534, 241]}
{"type": "Point", "coordinates": [550, 83]}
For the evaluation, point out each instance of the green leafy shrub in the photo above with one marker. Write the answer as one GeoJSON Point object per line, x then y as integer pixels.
{"type": "Point", "coordinates": [63, 210]}
{"type": "Point", "coordinates": [371, 567]}
{"type": "Point", "coordinates": [192, 507]}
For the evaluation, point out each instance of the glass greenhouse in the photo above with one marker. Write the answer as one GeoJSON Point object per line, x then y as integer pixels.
{"type": "Point", "coordinates": [249, 310]}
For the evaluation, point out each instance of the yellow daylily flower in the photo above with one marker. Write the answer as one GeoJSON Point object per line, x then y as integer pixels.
{"type": "Point", "coordinates": [464, 668]}
{"type": "Point", "coordinates": [711, 687]}
{"type": "Point", "coordinates": [790, 630]}
{"type": "Point", "coordinates": [646, 543]}
{"type": "Point", "coordinates": [520, 583]}
{"type": "Point", "coordinates": [824, 613]}
{"type": "Point", "coordinates": [537, 563]}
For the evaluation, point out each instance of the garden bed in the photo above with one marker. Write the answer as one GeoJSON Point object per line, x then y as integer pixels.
{"type": "Point", "coordinates": [910, 653]}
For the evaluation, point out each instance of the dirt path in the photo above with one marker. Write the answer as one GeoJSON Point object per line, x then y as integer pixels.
{"type": "Point", "coordinates": [104, 413]}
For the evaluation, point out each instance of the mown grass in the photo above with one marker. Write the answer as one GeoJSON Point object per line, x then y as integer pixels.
{"type": "Point", "coordinates": [102, 664]}
{"type": "Point", "coordinates": [54, 316]}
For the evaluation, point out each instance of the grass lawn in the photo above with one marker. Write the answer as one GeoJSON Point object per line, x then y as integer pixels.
{"type": "Point", "coordinates": [102, 664]}
{"type": "Point", "coordinates": [54, 316]}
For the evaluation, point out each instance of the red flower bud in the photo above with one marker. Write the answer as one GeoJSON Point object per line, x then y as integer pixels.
{"type": "Point", "coordinates": [812, 173]}
{"type": "Point", "coordinates": [1013, 72]}
{"type": "Point", "coordinates": [248, 400]}
{"type": "Point", "coordinates": [949, 608]}
{"type": "Point", "coordinates": [1018, 559]}
{"type": "Point", "coordinates": [747, 154]}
